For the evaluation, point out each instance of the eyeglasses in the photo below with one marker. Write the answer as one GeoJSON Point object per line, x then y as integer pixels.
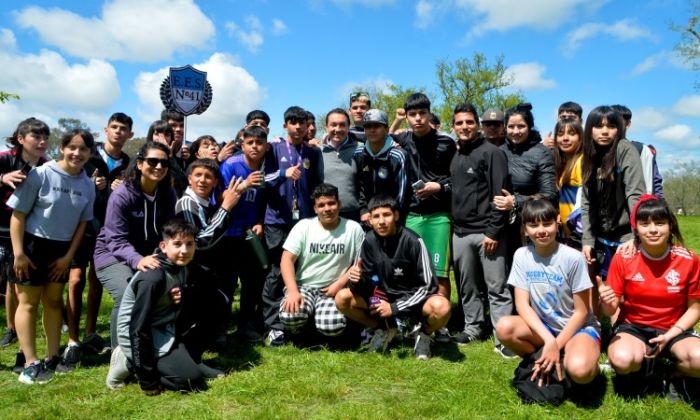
{"type": "Point", "coordinates": [491, 123]}
{"type": "Point", "coordinates": [153, 162]}
{"type": "Point", "coordinates": [357, 95]}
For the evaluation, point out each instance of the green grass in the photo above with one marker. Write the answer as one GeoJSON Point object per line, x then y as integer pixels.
{"type": "Point", "coordinates": [289, 382]}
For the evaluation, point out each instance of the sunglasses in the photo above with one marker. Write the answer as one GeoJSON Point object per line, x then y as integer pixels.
{"type": "Point", "coordinates": [357, 95]}
{"type": "Point", "coordinates": [153, 162]}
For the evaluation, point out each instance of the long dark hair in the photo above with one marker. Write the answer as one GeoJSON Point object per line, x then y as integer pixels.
{"type": "Point", "coordinates": [133, 173]}
{"type": "Point", "coordinates": [598, 161]}
{"type": "Point", "coordinates": [563, 165]}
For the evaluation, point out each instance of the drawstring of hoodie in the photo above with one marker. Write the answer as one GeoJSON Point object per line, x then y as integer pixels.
{"type": "Point", "coordinates": [145, 218]}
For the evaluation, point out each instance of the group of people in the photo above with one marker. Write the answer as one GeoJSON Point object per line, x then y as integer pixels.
{"type": "Point", "coordinates": [351, 234]}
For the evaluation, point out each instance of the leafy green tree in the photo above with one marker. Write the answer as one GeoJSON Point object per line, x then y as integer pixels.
{"type": "Point", "coordinates": [6, 96]}
{"type": "Point", "coordinates": [682, 188]}
{"type": "Point", "coordinates": [64, 126]}
{"type": "Point", "coordinates": [132, 146]}
{"type": "Point", "coordinates": [689, 45]}
{"type": "Point", "coordinates": [476, 81]}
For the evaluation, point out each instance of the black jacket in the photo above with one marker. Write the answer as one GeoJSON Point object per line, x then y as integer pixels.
{"type": "Point", "coordinates": [531, 169]}
{"type": "Point", "coordinates": [402, 264]}
{"type": "Point", "coordinates": [429, 160]}
{"type": "Point", "coordinates": [102, 196]}
{"type": "Point", "coordinates": [479, 172]}
{"type": "Point", "coordinates": [385, 173]}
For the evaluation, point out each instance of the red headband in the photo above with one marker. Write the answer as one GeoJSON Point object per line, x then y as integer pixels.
{"type": "Point", "coordinates": [643, 198]}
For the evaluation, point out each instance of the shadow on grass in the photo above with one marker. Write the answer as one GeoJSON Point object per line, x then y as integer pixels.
{"type": "Point", "coordinates": [590, 395]}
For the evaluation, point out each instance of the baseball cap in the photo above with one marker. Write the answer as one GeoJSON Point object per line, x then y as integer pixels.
{"type": "Point", "coordinates": [492, 114]}
{"type": "Point", "coordinates": [376, 116]}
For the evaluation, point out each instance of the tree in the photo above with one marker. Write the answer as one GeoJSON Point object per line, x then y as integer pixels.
{"type": "Point", "coordinates": [64, 125]}
{"type": "Point", "coordinates": [6, 96]}
{"type": "Point", "coordinates": [682, 188]}
{"type": "Point", "coordinates": [132, 146]}
{"type": "Point", "coordinates": [475, 81]}
{"type": "Point", "coordinates": [689, 46]}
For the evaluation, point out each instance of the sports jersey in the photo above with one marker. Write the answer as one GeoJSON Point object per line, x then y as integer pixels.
{"type": "Point", "coordinates": [655, 291]}
{"type": "Point", "coordinates": [570, 200]}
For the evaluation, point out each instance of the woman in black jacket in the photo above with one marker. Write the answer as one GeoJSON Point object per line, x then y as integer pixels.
{"type": "Point", "coordinates": [530, 166]}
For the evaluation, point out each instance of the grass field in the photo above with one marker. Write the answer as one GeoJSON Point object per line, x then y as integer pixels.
{"type": "Point", "coordinates": [289, 382]}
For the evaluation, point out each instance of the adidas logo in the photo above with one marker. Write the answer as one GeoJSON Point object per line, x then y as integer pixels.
{"type": "Point", "coordinates": [470, 171]}
{"type": "Point", "coordinates": [638, 277]}
{"type": "Point", "coordinates": [284, 159]}
{"type": "Point", "coordinates": [398, 271]}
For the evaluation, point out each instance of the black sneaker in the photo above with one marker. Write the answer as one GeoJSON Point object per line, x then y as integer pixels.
{"type": "Point", "coordinates": [504, 351]}
{"type": "Point", "coordinates": [19, 363]}
{"type": "Point", "coordinates": [465, 338]}
{"type": "Point", "coordinates": [275, 338]}
{"type": "Point", "coordinates": [381, 340]}
{"type": "Point", "coordinates": [443, 336]}
{"type": "Point", "coordinates": [52, 363]}
{"type": "Point", "coordinates": [422, 347]}
{"type": "Point", "coordinates": [36, 373]}
{"type": "Point", "coordinates": [96, 344]}
{"type": "Point", "coordinates": [8, 338]}
{"type": "Point", "coordinates": [70, 359]}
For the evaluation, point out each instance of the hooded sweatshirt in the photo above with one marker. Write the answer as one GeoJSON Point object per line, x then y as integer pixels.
{"type": "Point", "coordinates": [132, 225]}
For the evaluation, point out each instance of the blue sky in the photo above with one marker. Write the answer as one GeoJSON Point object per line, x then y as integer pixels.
{"type": "Point", "coordinates": [89, 59]}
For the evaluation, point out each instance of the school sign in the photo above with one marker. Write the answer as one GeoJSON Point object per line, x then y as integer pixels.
{"type": "Point", "coordinates": [186, 90]}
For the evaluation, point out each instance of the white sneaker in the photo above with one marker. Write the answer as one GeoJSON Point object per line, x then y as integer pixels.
{"type": "Point", "coordinates": [118, 369]}
{"type": "Point", "coordinates": [422, 347]}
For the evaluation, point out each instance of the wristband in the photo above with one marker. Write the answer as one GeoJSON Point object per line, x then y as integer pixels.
{"type": "Point", "coordinates": [676, 326]}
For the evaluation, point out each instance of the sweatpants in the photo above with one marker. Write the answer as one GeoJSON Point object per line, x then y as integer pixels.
{"type": "Point", "coordinates": [273, 291]}
{"type": "Point", "coordinates": [115, 278]}
{"type": "Point", "coordinates": [327, 318]}
{"type": "Point", "coordinates": [179, 371]}
{"type": "Point", "coordinates": [477, 274]}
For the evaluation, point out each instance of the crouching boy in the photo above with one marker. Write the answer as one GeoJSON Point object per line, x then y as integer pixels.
{"type": "Point", "coordinates": [393, 279]}
{"type": "Point", "coordinates": [323, 248]}
{"type": "Point", "coordinates": [162, 330]}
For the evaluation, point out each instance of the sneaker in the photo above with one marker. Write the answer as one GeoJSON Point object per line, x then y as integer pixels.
{"type": "Point", "coordinates": [35, 373]}
{"type": "Point", "coordinates": [465, 338]}
{"type": "Point", "coordinates": [70, 359]}
{"type": "Point", "coordinates": [381, 339]}
{"type": "Point", "coordinates": [96, 344]}
{"type": "Point", "coordinates": [366, 336]}
{"type": "Point", "coordinates": [19, 363]}
{"type": "Point", "coordinates": [275, 338]}
{"type": "Point", "coordinates": [8, 338]}
{"type": "Point", "coordinates": [209, 372]}
{"type": "Point", "coordinates": [422, 347]}
{"type": "Point", "coordinates": [683, 388]}
{"type": "Point", "coordinates": [443, 336]}
{"type": "Point", "coordinates": [249, 335]}
{"type": "Point", "coordinates": [504, 351]}
{"type": "Point", "coordinates": [118, 369]}
{"type": "Point", "coordinates": [52, 363]}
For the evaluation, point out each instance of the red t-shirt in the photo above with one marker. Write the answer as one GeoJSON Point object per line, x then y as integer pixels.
{"type": "Point", "coordinates": [655, 291]}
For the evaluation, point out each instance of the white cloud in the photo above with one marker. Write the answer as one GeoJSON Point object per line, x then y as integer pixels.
{"type": "Point", "coordinates": [7, 39]}
{"type": "Point", "coordinates": [677, 133]}
{"type": "Point", "coordinates": [425, 13]}
{"type": "Point", "coordinates": [529, 76]}
{"type": "Point", "coordinates": [129, 30]}
{"type": "Point", "coordinates": [278, 27]}
{"type": "Point", "coordinates": [379, 83]}
{"type": "Point", "coordinates": [648, 118]}
{"type": "Point", "coordinates": [50, 88]}
{"type": "Point", "coordinates": [252, 36]}
{"type": "Point", "coordinates": [622, 30]}
{"type": "Point", "coordinates": [235, 91]}
{"type": "Point", "coordinates": [688, 106]}
{"type": "Point", "coordinates": [502, 15]}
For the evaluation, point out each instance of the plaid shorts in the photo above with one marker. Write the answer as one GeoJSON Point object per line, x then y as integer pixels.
{"type": "Point", "coordinates": [328, 319]}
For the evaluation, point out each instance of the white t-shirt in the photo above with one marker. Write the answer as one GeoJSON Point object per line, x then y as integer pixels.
{"type": "Point", "coordinates": [552, 283]}
{"type": "Point", "coordinates": [322, 255]}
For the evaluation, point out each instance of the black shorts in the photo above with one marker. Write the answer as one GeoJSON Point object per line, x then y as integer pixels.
{"type": "Point", "coordinates": [7, 261]}
{"type": "Point", "coordinates": [42, 252]}
{"type": "Point", "coordinates": [647, 333]}
{"type": "Point", "coordinates": [83, 255]}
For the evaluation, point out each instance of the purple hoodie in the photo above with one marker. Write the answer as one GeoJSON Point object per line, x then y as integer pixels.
{"type": "Point", "coordinates": [132, 225]}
